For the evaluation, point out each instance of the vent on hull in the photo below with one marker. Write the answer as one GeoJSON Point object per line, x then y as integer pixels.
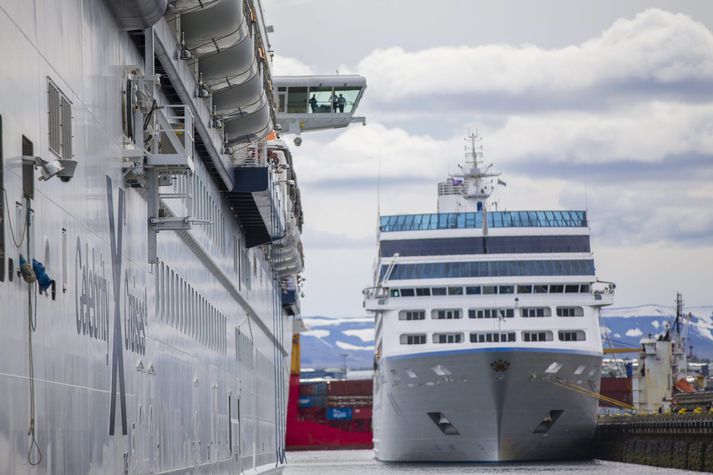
{"type": "Point", "coordinates": [549, 420]}
{"type": "Point", "coordinates": [443, 423]}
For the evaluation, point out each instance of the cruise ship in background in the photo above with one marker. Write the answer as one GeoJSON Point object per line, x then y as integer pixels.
{"type": "Point", "coordinates": [488, 340]}
{"type": "Point", "coordinates": [150, 246]}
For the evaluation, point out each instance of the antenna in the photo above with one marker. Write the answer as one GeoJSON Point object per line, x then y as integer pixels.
{"type": "Point", "coordinates": [586, 195]}
{"type": "Point", "coordinates": [470, 151]}
{"type": "Point", "coordinates": [378, 184]}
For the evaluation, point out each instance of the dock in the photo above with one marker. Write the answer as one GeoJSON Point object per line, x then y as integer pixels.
{"type": "Point", "coordinates": [683, 441]}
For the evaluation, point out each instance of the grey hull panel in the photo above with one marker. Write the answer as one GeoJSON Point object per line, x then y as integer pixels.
{"type": "Point", "coordinates": [494, 405]}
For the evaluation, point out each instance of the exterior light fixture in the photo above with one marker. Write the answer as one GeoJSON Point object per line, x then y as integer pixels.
{"type": "Point", "coordinates": [48, 168]}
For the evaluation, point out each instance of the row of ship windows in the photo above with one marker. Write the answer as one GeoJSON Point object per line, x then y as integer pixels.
{"type": "Point", "coordinates": [459, 270]}
{"type": "Point", "coordinates": [493, 337]}
{"type": "Point", "coordinates": [491, 290]}
{"type": "Point", "coordinates": [186, 310]}
{"type": "Point", "coordinates": [526, 312]}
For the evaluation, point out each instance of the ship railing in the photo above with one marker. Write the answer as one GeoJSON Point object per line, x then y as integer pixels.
{"type": "Point", "coordinates": [172, 146]}
{"type": "Point", "coordinates": [375, 293]}
{"type": "Point", "coordinates": [603, 288]}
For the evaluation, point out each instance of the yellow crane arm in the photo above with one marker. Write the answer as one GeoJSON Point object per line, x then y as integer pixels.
{"type": "Point", "coordinates": [574, 387]}
{"type": "Point", "coordinates": [608, 351]}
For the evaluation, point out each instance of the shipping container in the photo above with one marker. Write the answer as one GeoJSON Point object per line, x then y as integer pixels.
{"type": "Point", "coordinates": [314, 389]}
{"type": "Point", "coordinates": [339, 414]}
{"type": "Point", "coordinates": [362, 413]}
{"type": "Point", "coordinates": [312, 401]}
{"type": "Point", "coordinates": [351, 388]}
{"type": "Point", "coordinates": [616, 388]}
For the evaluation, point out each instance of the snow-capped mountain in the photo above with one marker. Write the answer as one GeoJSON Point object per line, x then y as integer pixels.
{"type": "Point", "coordinates": [625, 326]}
{"type": "Point", "coordinates": [330, 338]}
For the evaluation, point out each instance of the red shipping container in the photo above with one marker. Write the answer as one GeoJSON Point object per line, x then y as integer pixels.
{"type": "Point", "coordinates": [616, 388]}
{"type": "Point", "coordinates": [361, 413]}
{"type": "Point", "coordinates": [351, 388]}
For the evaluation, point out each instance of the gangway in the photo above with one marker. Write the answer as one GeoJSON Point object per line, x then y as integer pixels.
{"type": "Point", "coordinates": [307, 103]}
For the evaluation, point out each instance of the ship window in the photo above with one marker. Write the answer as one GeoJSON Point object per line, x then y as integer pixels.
{"type": "Point", "coordinates": [438, 291]}
{"type": "Point", "coordinates": [492, 337]}
{"type": "Point", "coordinates": [571, 289]}
{"type": "Point", "coordinates": [408, 292]}
{"type": "Point", "coordinates": [506, 289]}
{"type": "Point", "coordinates": [572, 335]}
{"type": "Point", "coordinates": [440, 270]}
{"type": "Point", "coordinates": [570, 312]}
{"type": "Point", "coordinates": [534, 312]}
{"type": "Point", "coordinates": [446, 314]}
{"type": "Point", "coordinates": [536, 336]}
{"type": "Point", "coordinates": [412, 315]}
{"type": "Point", "coordinates": [490, 289]}
{"type": "Point", "coordinates": [524, 289]}
{"type": "Point", "coordinates": [394, 293]}
{"type": "Point", "coordinates": [556, 289]}
{"type": "Point", "coordinates": [446, 338]}
{"type": "Point", "coordinates": [473, 290]}
{"type": "Point", "coordinates": [584, 288]}
{"type": "Point", "coordinates": [297, 100]}
{"type": "Point", "coordinates": [491, 313]}
{"type": "Point", "coordinates": [455, 290]}
{"type": "Point", "coordinates": [413, 339]}
{"type": "Point", "coordinates": [350, 95]}
{"type": "Point", "coordinates": [540, 289]}
{"type": "Point", "coordinates": [423, 292]}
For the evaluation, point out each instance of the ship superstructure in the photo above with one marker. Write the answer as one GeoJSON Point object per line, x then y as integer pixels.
{"type": "Point", "coordinates": [488, 345]}
{"type": "Point", "coordinates": [150, 246]}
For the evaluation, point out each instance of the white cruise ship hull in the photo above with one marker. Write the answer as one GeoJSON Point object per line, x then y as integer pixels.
{"type": "Point", "coordinates": [493, 405]}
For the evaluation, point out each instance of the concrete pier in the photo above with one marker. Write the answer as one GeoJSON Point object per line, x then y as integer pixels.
{"type": "Point", "coordinates": [672, 441]}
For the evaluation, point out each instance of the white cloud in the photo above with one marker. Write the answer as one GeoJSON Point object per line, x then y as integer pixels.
{"type": "Point", "coordinates": [364, 334]}
{"type": "Point", "coordinates": [645, 132]}
{"type": "Point", "coordinates": [655, 46]}
{"type": "Point", "coordinates": [316, 333]}
{"type": "Point", "coordinates": [634, 332]}
{"type": "Point", "coordinates": [622, 112]}
{"type": "Point", "coordinates": [286, 66]}
{"type": "Point", "coordinates": [655, 324]}
{"type": "Point", "coordinates": [313, 322]}
{"type": "Point", "coordinates": [355, 154]}
{"type": "Point", "coordinates": [348, 346]}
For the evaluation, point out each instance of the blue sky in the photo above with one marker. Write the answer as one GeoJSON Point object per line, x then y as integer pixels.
{"type": "Point", "coordinates": [606, 106]}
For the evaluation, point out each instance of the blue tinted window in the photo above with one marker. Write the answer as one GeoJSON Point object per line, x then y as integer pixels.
{"type": "Point", "coordinates": [496, 219]}
{"type": "Point", "coordinates": [490, 269]}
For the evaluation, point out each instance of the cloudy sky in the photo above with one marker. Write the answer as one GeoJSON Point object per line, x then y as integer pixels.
{"type": "Point", "coordinates": [601, 105]}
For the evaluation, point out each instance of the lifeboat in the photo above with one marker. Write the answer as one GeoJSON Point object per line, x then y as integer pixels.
{"type": "Point", "coordinates": [221, 36]}
{"type": "Point", "coordinates": [138, 14]}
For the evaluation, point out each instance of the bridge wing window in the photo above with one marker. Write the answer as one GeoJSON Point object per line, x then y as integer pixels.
{"type": "Point", "coordinates": [323, 99]}
{"type": "Point", "coordinates": [350, 96]}
{"type": "Point", "coordinates": [297, 100]}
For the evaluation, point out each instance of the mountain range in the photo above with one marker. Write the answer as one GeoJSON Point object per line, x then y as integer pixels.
{"type": "Point", "coordinates": [329, 339]}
